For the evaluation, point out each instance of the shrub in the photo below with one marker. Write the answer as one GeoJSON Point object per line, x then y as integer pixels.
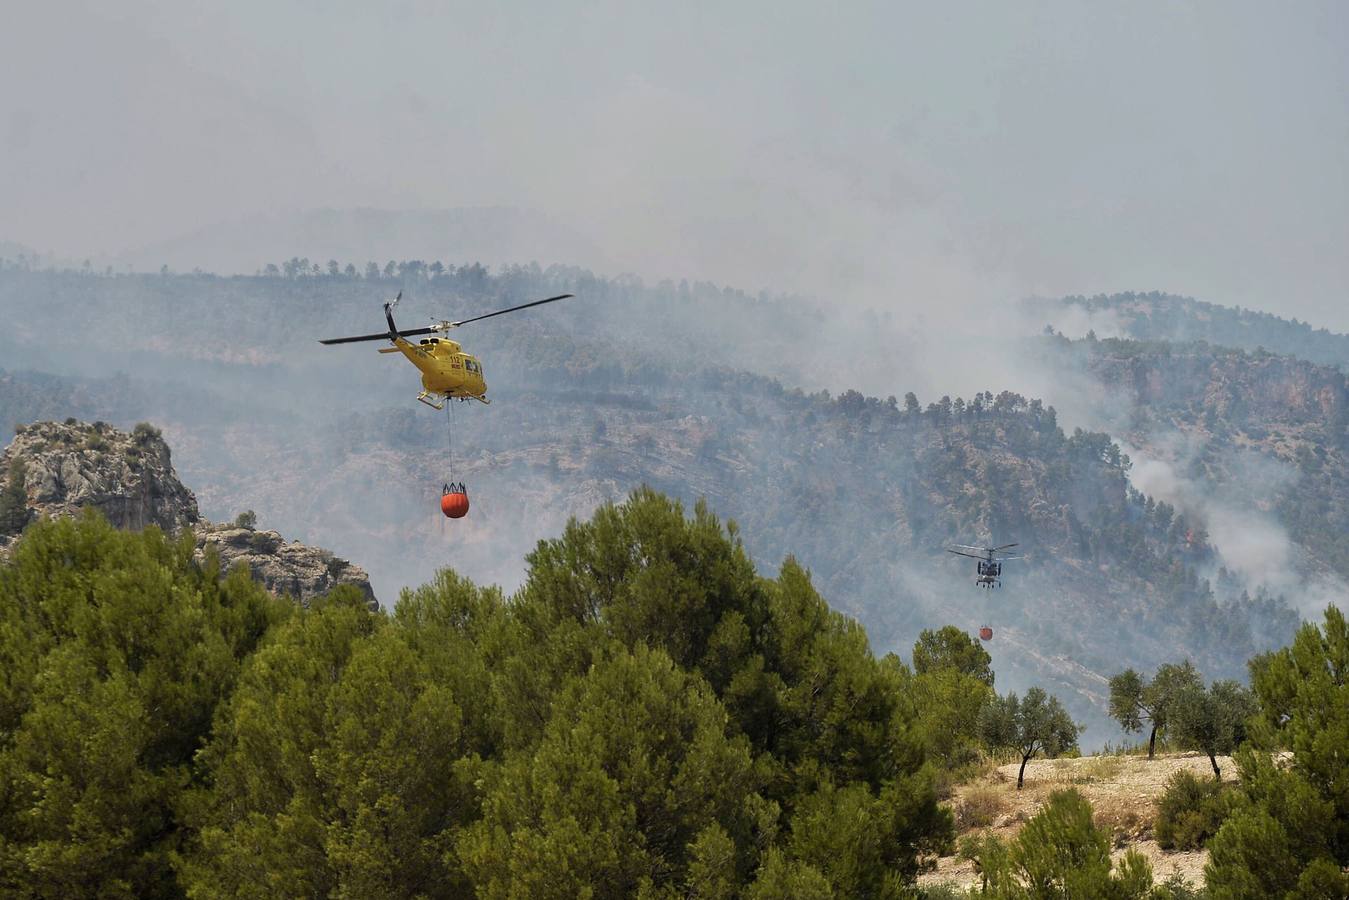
{"type": "Point", "coordinates": [246, 519]}
{"type": "Point", "coordinates": [1177, 888]}
{"type": "Point", "coordinates": [1190, 811]}
{"type": "Point", "coordinates": [144, 432]}
{"type": "Point", "coordinates": [264, 542]}
{"type": "Point", "coordinates": [1099, 768]}
{"type": "Point", "coordinates": [979, 807]}
{"type": "Point", "coordinates": [1059, 853]}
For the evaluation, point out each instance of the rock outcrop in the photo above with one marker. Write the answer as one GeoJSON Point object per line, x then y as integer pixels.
{"type": "Point", "coordinates": [129, 478]}
{"type": "Point", "coordinates": [285, 567]}
{"type": "Point", "coordinates": [55, 469]}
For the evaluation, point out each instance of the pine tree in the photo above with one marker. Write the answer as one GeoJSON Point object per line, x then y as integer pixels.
{"type": "Point", "coordinates": [633, 767]}
{"type": "Point", "coordinates": [1289, 833]}
{"type": "Point", "coordinates": [332, 767]}
{"type": "Point", "coordinates": [116, 650]}
{"type": "Point", "coordinates": [951, 648]}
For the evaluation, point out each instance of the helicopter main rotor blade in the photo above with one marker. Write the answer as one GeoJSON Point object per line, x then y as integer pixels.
{"type": "Point", "coordinates": [502, 312]}
{"type": "Point", "coordinates": [382, 336]}
{"type": "Point", "coordinates": [1005, 547]}
{"type": "Point", "coordinates": [963, 553]}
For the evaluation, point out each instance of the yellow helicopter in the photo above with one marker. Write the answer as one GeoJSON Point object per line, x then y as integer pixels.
{"type": "Point", "coordinates": [447, 371]}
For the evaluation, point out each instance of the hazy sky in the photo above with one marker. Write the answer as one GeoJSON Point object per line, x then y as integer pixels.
{"type": "Point", "coordinates": [895, 155]}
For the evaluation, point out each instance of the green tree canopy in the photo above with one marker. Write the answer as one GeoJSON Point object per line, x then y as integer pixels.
{"type": "Point", "coordinates": [1212, 719]}
{"type": "Point", "coordinates": [115, 650]}
{"type": "Point", "coordinates": [951, 648]}
{"type": "Point", "coordinates": [1037, 723]}
{"type": "Point", "coordinates": [821, 716]}
{"type": "Point", "coordinates": [647, 716]}
{"type": "Point", "coordinates": [333, 767]}
{"type": "Point", "coordinates": [1134, 700]}
{"type": "Point", "coordinates": [1289, 834]}
{"type": "Point", "coordinates": [633, 770]}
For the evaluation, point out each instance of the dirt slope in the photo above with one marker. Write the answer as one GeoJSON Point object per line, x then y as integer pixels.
{"type": "Point", "coordinates": [1123, 791]}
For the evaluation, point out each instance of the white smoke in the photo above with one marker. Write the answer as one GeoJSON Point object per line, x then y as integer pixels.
{"type": "Point", "coordinates": [1247, 536]}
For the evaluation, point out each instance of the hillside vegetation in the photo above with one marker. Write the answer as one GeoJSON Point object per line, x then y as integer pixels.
{"type": "Point", "coordinates": [632, 385]}
{"type": "Point", "coordinates": [1160, 317]}
{"type": "Point", "coordinates": [646, 716]}
{"type": "Point", "coordinates": [1249, 434]}
{"type": "Point", "coordinates": [1123, 790]}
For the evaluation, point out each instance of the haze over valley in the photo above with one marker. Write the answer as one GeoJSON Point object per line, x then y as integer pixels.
{"type": "Point", "coordinates": [1190, 496]}
{"type": "Point", "coordinates": [781, 311]}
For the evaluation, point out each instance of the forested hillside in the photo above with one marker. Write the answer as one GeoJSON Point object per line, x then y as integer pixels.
{"type": "Point", "coordinates": [1253, 436]}
{"type": "Point", "coordinates": [1156, 316]}
{"type": "Point", "coordinates": [692, 389]}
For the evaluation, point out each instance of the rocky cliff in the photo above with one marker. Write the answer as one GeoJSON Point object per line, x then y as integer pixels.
{"type": "Point", "coordinates": [1214, 382]}
{"type": "Point", "coordinates": [129, 478]}
{"type": "Point", "coordinates": [55, 469]}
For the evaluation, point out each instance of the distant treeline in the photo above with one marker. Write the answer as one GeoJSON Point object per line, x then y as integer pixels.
{"type": "Point", "coordinates": [1155, 316]}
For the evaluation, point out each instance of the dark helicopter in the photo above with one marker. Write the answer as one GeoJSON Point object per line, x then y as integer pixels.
{"type": "Point", "coordinates": [990, 562]}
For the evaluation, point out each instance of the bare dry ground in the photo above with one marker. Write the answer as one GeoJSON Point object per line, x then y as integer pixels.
{"type": "Point", "coordinates": [1123, 791]}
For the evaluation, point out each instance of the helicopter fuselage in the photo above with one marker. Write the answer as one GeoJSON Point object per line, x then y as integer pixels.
{"type": "Point", "coordinates": [989, 574]}
{"type": "Point", "coordinates": [447, 371]}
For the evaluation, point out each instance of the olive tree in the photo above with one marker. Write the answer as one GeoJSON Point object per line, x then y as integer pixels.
{"type": "Point", "coordinates": [1213, 719]}
{"type": "Point", "coordinates": [1134, 700]}
{"type": "Point", "coordinates": [1036, 723]}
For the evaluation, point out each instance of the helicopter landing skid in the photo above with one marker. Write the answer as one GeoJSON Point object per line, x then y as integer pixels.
{"type": "Point", "coordinates": [431, 403]}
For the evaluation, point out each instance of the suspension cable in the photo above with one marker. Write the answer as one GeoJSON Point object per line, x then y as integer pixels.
{"type": "Point", "coordinates": [449, 435]}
